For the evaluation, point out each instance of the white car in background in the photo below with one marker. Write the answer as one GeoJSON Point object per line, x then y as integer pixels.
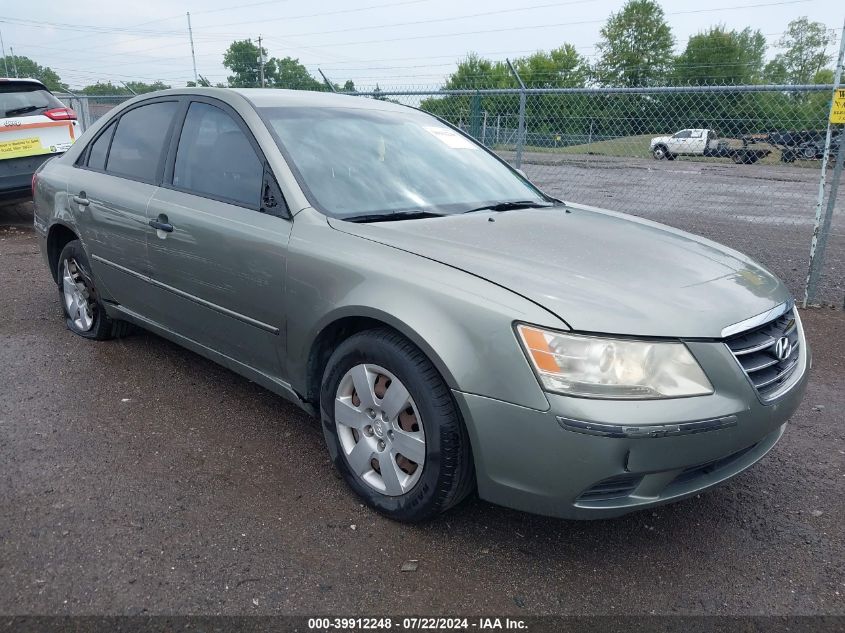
{"type": "Point", "coordinates": [34, 125]}
{"type": "Point", "coordinates": [685, 142]}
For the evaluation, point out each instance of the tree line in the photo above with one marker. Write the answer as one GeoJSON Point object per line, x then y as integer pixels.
{"type": "Point", "coordinates": [636, 49]}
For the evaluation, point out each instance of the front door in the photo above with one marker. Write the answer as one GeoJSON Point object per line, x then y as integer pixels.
{"type": "Point", "coordinates": [217, 257]}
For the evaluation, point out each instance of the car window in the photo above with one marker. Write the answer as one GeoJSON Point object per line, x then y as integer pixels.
{"type": "Point", "coordinates": [683, 134]}
{"type": "Point", "coordinates": [99, 149]}
{"type": "Point", "coordinates": [215, 158]}
{"type": "Point", "coordinates": [25, 99]}
{"type": "Point", "coordinates": [139, 140]}
{"type": "Point", "coordinates": [696, 134]}
{"type": "Point", "coordinates": [353, 161]}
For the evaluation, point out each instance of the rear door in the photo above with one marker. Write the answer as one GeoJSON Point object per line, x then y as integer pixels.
{"type": "Point", "coordinates": [116, 177]}
{"type": "Point", "coordinates": [218, 255]}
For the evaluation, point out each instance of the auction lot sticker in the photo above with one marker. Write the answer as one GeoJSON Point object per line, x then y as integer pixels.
{"type": "Point", "coordinates": [837, 112]}
{"type": "Point", "coordinates": [21, 147]}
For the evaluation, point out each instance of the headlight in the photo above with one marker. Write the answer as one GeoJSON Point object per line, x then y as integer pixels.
{"type": "Point", "coordinates": [594, 367]}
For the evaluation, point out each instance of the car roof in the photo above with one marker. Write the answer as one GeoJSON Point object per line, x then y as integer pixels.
{"type": "Point", "coordinates": [281, 98]}
{"type": "Point", "coordinates": [22, 80]}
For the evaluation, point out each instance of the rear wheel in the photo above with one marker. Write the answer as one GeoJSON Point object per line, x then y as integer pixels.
{"type": "Point", "coordinates": [393, 429]}
{"type": "Point", "coordinates": [83, 310]}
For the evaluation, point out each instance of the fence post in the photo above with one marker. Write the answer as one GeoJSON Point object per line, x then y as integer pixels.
{"type": "Point", "coordinates": [520, 135]}
{"type": "Point", "coordinates": [821, 228]}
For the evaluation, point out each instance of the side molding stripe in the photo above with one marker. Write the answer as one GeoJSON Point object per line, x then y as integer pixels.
{"type": "Point", "coordinates": [212, 306]}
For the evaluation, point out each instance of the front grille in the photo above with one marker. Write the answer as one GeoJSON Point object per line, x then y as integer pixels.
{"type": "Point", "coordinates": [755, 351]}
{"type": "Point", "coordinates": [613, 488]}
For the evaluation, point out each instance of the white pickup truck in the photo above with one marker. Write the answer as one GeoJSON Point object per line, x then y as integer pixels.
{"type": "Point", "coordinates": [703, 142]}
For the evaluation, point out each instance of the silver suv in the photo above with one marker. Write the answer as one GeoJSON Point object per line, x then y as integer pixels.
{"type": "Point", "coordinates": [453, 327]}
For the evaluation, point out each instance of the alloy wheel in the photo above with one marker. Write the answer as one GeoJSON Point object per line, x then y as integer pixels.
{"type": "Point", "coordinates": [79, 304]}
{"type": "Point", "coordinates": [380, 429]}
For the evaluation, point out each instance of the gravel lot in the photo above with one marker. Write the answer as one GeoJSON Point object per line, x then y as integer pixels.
{"type": "Point", "coordinates": [137, 477]}
{"type": "Point", "coordinates": [766, 211]}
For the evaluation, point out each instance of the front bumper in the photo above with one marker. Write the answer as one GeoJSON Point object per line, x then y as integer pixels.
{"type": "Point", "coordinates": [532, 461]}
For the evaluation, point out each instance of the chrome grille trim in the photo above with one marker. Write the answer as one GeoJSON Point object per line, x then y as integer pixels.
{"type": "Point", "coordinates": [754, 351]}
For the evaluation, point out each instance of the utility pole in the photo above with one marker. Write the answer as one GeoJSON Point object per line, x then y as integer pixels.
{"type": "Point", "coordinates": [326, 79]}
{"type": "Point", "coordinates": [14, 63]}
{"type": "Point", "coordinates": [193, 54]}
{"type": "Point", "coordinates": [3, 47]}
{"type": "Point", "coordinates": [821, 229]}
{"type": "Point", "coordinates": [261, 60]}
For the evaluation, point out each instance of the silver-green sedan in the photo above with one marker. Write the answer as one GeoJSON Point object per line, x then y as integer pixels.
{"type": "Point", "coordinates": [454, 328]}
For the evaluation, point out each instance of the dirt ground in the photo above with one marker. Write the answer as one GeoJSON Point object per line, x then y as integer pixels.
{"type": "Point", "coordinates": [137, 477]}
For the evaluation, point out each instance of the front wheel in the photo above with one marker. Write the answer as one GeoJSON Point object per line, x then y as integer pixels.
{"type": "Point", "coordinates": [659, 152]}
{"type": "Point", "coordinates": [392, 427]}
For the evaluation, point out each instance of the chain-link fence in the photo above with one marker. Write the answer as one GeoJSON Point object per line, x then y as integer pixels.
{"type": "Point", "coordinates": [738, 164]}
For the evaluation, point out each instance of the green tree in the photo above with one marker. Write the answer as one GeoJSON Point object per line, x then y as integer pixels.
{"type": "Point", "coordinates": [289, 73]}
{"type": "Point", "coordinates": [107, 88]}
{"type": "Point", "coordinates": [718, 56]}
{"type": "Point", "coordinates": [636, 46]}
{"type": "Point", "coordinates": [139, 87]}
{"type": "Point", "coordinates": [27, 67]}
{"type": "Point", "coordinates": [805, 45]}
{"type": "Point", "coordinates": [242, 59]}
{"type": "Point", "coordinates": [201, 82]}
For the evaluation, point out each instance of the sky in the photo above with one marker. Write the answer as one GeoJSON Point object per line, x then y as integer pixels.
{"type": "Point", "coordinates": [399, 43]}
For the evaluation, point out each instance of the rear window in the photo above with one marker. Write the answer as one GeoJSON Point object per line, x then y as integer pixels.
{"type": "Point", "coordinates": [25, 99]}
{"type": "Point", "coordinates": [99, 149]}
{"type": "Point", "coordinates": [139, 141]}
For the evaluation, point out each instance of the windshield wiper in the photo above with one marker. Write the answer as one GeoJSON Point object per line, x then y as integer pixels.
{"type": "Point", "coordinates": [389, 217]}
{"type": "Point", "coordinates": [512, 205]}
{"type": "Point", "coordinates": [23, 110]}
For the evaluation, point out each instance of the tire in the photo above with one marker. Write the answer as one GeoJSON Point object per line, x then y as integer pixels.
{"type": "Point", "coordinates": [363, 443]}
{"type": "Point", "coordinates": [84, 312]}
{"type": "Point", "coordinates": [810, 152]}
{"type": "Point", "coordinates": [659, 152]}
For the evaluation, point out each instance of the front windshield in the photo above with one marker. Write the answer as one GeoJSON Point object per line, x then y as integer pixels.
{"type": "Point", "coordinates": [355, 162]}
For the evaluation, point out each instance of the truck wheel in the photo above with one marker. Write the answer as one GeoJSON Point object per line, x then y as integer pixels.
{"type": "Point", "coordinates": [393, 429]}
{"type": "Point", "coordinates": [659, 152]}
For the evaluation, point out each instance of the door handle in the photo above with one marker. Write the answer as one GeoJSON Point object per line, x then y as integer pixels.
{"type": "Point", "coordinates": [161, 223]}
{"type": "Point", "coordinates": [81, 199]}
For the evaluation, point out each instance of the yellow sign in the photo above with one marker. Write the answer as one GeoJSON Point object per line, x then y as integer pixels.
{"type": "Point", "coordinates": [837, 112]}
{"type": "Point", "coordinates": [22, 147]}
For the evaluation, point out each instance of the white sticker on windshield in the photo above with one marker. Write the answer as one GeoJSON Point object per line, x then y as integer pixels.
{"type": "Point", "coordinates": [450, 137]}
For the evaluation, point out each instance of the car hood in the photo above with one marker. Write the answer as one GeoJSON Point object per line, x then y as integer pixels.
{"type": "Point", "coordinates": [597, 270]}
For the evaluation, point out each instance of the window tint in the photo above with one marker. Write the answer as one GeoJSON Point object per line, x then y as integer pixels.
{"type": "Point", "coordinates": [25, 99]}
{"type": "Point", "coordinates": [215, 158]}
{"type": "Point", "coordinates": [138, 142]}
{"type": "Point", "coordinates": [99, 149]}
{"type": "Point", "coordinates": [683, 134]}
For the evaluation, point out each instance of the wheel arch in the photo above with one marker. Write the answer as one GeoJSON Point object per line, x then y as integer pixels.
{"type": "Point", "coordinates": [58, 236]}
{"type": "Point", "coordinates": [347, 322]}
